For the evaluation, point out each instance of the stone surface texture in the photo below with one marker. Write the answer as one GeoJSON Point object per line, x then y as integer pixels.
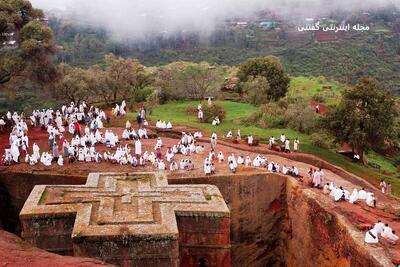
{"type": "Point", "coordinates": [130, 220]}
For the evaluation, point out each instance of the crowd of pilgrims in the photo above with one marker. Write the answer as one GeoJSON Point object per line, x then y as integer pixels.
{"type": "Point", "coordinates": [83, 142]}
{"type": "Point", "coordinates": [82, 145]}
{"type": "Point", "coordinates": [339, 193]}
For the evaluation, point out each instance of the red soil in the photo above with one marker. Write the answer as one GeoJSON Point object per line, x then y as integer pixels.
{"type": "Point", "coordinates": [357, 215]}
{"type": "Point", "coordinates": [322, 107]}
{"type": "Point", "coordinates": [14, 252]}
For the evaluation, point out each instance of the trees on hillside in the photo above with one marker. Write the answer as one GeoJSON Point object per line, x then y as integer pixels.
{"type": "Point", "coordinates": [125, 77]}
{"type": "Point", "coordinates": [196, 80]}
{"type": "Point", "coordinates": [272, 70]}
{"type": "Point", "coordinates": [26, 43]}
{"type": "Point", "coordinates": [120, 79]}
{"type": "Point", "coordinates": [365, 118]}
{"type": "Point", "coordinates": [73, 84]}
{"type": "Point", "coordinates": [186, 80]}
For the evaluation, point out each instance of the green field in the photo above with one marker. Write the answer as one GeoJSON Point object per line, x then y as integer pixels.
{"type": "Point", "coordinates": [177, 113]}
{"type": "Point", "coordinates": [309, 87]}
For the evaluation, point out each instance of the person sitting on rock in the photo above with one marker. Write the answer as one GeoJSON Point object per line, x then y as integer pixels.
{"type": "Point", "coordinates": [371, 236]}
{"type": "Point", "coordinates": [390, 236]}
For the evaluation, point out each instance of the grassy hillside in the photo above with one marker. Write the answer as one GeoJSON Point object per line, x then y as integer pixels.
{"type": "Point", "coordinates": [312, 88]}
{"type": "Point", "coordinates": [178, 115]}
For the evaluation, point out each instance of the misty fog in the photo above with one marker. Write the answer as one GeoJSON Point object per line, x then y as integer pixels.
{"type": "Point", "coordinates": [135, 19]}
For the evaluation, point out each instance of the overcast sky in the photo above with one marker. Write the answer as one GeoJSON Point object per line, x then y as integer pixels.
{"type": "Point", "coordinates": [134, 18]}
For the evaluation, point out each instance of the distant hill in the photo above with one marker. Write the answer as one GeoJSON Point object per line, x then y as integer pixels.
{"type": "Point", "coordinates": [343, 57]}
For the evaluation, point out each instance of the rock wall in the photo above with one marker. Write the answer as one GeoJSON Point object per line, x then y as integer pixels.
{"type": "Point", "coordinates": [16, 187]}
{"type": "Point", "coordinates": [317, 236]}
{"type": "Point", "coordinates": [258, 213]}
{"type": "Point", "coordinates": [274, 222]}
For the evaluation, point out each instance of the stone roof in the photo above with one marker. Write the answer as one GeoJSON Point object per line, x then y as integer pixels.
{"type": "Point", "coordinates": [136, 205]}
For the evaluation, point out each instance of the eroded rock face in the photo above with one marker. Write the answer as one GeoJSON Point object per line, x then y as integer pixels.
{"type": "Point", "coordinates": [16, 252]}
{"type": "Point", "coordinates": [258, 212]}
{"type": "Point", "coordinates": [274, 222]}
{"type": "Point", "coordinates": [318, 236]}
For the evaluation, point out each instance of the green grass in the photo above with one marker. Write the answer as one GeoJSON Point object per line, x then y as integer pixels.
{"type": "Point", "coordinates": [176, 112]}
{"type": "Point", "coordinates": [385, 164]}
{"type": "Point", "coordinates": [307, 87]}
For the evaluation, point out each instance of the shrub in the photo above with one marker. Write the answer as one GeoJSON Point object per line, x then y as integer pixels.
{"type": "Point", "coordinates": [270, 115]}
{"type": "Point", "coordinates": [301, 117]}
{"type": "Point", "coordinates": [215, 110]}
{"type": "Point", "coordinates": [319, 98]}
{"type": "Point", "coordinates": [322, 139]}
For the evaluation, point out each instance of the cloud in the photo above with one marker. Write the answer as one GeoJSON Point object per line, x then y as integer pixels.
{"type": "Point", "coordinates": [139, 18]}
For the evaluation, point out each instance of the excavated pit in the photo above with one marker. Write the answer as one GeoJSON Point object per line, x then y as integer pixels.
{"type": "Point", "coordinates": [274, 222]}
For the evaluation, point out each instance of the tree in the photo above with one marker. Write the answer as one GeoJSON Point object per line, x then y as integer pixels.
{"type": "Point", "coordinates": [256, 90]}
{"type": "Point", "coordinates": [365, 118]}
{"type": "Point", "coordinates": [73, 85]}
{"type": "Point", "coordinates": [196, 80]}
{"type": "Point", "coordinates": [186, 80]}
{"type": "Point", "coordinates": [125, 77]}
{"type": "Point", "coordinates": [272, 70]}
{"type": "Point", "coordinates": [26, 43]}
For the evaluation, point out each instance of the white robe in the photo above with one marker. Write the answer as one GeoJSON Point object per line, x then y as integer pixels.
{"type": "Point", "coordinates": [371, 237]}
{"type": "Point", "coordinates": [354, 196]}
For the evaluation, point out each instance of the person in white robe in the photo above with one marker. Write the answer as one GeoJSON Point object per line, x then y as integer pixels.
{"type": "Point", "coordinates": [283, 138]}
{"type": "Point", "coordinates": [233, 166]}
{"type": "Point", "coordinates": [383, 186]}
{"type": "Point", "coordinates": [138, 147]}
{"type": "Point", "coordinates": [169, 126]}
{"type": "Point", "coordinates": [207, 168]}
{"type": "Point", "coordinates": [362, 194]}
{"type": "Point", "coordinates": [170, 156]}
{"type": "Point", "coordinates": [220, 157]}
{"type": "Point", "coordinates": [161, 165]}
{"type": "Point", "coordinates": [339, 194]}
{"type": "Point", "coordinates": [248, 161]}
{"type": "Point", "coordinates": [199, 149]}
{"type": "Point", "coordinates": [125, 134]}
{"type": "Point", "coordinates": [60, 161]}
{"type": "Point", "coordinates": [128, 125]}
{"type": "Point", "coordinates": [15, 151]}
{"type": "Point", "coordinates": [200, 114]}
{"type": "Point", "coordinates": [390, 236]}
{"type": "Point", "coordinates": [371, 236]}
{"type": "Point", "coordinates": [250, 140]}
{"type": "Point", "coordinates": [256, 161]}
{"type": "Point", "coordinates": [379, 226]}
{"type": "Point", "coordinates": [354, 196]}
{"type": "Point", "coordinates": [158, 143]}
{"type": "Point", "coordinates": [371, 200]}
{"type": "Point", "coordinates": [192, 147]}
{"type": "Point", "coordinates": [317, 181]}
{"type": "Point", "coordinates": [173, 166]}
{"type": "Point", "coordinates": [287, 145]}
{"type": "Point", "coordinates": [285, 170]}
{"type": "Point", "coordinates": [240, 160]}
{"type": "Point", "coordinates": [296, 144]}
{"type": "Point", "coordinates": [36, 151]}
{"type": "Point", "coordinates": [112, 139]}
{"type": "Point", "coordinates": [229, 134]}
